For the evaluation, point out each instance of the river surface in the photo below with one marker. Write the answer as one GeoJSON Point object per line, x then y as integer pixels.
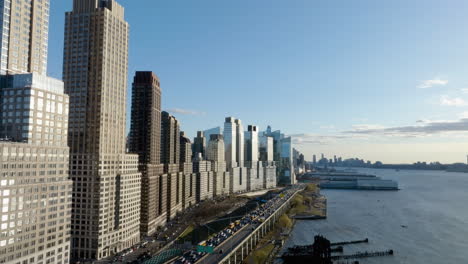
{"type": "Point", "coordinates": [425, 222]}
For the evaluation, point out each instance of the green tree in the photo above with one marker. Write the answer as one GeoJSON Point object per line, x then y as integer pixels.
{"type": "Point", "coordinates": [285, 222]}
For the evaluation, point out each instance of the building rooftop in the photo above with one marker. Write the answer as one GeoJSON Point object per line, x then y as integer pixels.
{"type": "Point", "coordinates": [31, 80]}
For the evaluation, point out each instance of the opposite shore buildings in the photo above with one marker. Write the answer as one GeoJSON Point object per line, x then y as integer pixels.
{"type": "Point", "coordinates": [69, 189]}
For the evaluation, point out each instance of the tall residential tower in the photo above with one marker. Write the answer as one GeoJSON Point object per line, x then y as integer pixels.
{"type": "Point", "coordinates": [106, 181]}
{"type": "Point", "coordinates": [24, 40]}
{"type": "Point", "coordinates": [170, 186]}
{"type": "Point", "coordinates": [145, 140]}
{"type": "Point", "coordinates": [230, 141]}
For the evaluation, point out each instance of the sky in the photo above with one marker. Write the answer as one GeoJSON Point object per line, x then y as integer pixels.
{"type": "Point", "coordinates": [380, 80]}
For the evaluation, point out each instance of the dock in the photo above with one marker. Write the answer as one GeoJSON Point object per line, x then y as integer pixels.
{"type": "Point", "coordinates": [364, 255]}
{"type": "Point", "coordinates": [321, 252]}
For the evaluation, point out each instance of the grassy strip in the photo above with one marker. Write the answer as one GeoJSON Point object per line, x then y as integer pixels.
{"type": "Point", "coordinates": [300, 204]}
{"type": "Point", "coordinates": [260, 256]}
{"type": "Point", "coordinates": [186, 232]}
{"type": "Point", "coordinates": [265, 247]}
{"type": "Point", "coordinates": [305, 202]}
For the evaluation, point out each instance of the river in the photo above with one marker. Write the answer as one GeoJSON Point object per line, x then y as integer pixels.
{"type": "Point", "coordinates": [425, 222]}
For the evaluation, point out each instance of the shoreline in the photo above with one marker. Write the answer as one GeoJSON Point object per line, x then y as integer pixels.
{"type": "Point", "coordinates": [309, 204]}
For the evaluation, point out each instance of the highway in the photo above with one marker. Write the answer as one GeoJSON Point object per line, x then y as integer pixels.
{"type": "Point", "coordinates": [224, 242]}
{"type": "Point", "coordinates": [227, 246]}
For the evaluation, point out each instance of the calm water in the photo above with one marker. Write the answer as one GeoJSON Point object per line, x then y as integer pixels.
{"type": "Point", "coordinates": [433, 206]}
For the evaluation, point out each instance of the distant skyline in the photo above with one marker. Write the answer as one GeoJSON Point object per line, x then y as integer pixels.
{"type": "Point", "coordinates": [380, 80]}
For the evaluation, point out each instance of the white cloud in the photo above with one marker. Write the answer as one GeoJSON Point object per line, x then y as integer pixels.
{"type": "Point", "coordinates": [185, 111]}
{"type": "Point", "coordinates": [464, 90]}
{"type": "Point", "coordinates": [422, 128]}
{"type": "Point", "coordinates": [327, 127]}
{"type": "Point", "coordinates": [456, 101]}
{"type": "Point", "coordinates": [463, 115]}
{"type": "Point", "coordinates": [315, 139]}
{"type": "Point", "coordinates": [430, 83]}
{"type": "Point", "coordinates": [367, 127]}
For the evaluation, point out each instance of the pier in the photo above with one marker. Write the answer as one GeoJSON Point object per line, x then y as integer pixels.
{"type": "Point", "coordinates": [364, 255]}
{"type": "Point", "coordinates": [350, 242]}
{"type": "Point", "coordinates": [320, 252]}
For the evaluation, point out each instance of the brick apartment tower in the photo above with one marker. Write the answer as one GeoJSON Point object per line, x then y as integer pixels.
{"type": "Point", "coordinates": [145, 140]}
{"type": "Point", "coordinates": [106, 180]}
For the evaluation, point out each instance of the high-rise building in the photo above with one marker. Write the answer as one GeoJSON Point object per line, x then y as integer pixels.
{"type": "Point", "coordinates": [145, 129]}
{"type": "Point", "coordinates": [145, 140]}
{"type": "Point", "coordinates": [251, 143]}
{"type": "Point", "coordinates": [314, 159]}
{"type": "Point", "coordinates": [253, 166]}
{"type": "Point", "coordinates": [106, 180]}
{"type": "Point", "coordinates": [215, 153]}
{"type": "Point", "coordinates": [204, 178]}
{"type": "Point", "coordinates": [35, 188]}
{"type": "Point", "coordinates": [187, 177]}
{"type": "Point", "coordinates": [24, 41]}
{"type": "Point", "coordinates": [170, 157]}
{"type": "Point", "coordinates": [170, 142]}
{"type": "Point", "coordinates": [213, 131]}
{"type": "Point", "coordinates": [287, 166]}
{"type": "Point", "coordinates": [230, 141]}
{"type": "Point", "coordinates": [215, 150]}
{"type": "Point", "coordinates": [267, 160]}
{"type": "Point", "coordinates": [199, 145]}
{"type": "Point", "coordinates": [185, 149]}
{"type": "Point", "coordinates": [283, 156]}
{"type": "Point", "coordinates": [266, 148]}
{"type": "Point", "coordinates": [240, 143]}
{"type": "Point", "coordinates": [234, 148]}
{"type": "Point", "coordinates": [298, 162]}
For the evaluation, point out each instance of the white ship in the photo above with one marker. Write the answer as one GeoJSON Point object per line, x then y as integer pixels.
{"type": "Point", "coordinates": [358, 184]}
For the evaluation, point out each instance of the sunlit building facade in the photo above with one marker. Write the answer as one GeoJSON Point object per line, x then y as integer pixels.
{"type": "Point", "coordinates": [170, 157]}
{"type": "Point", "coordinates": [215, 154]}
{"type": "Point", "coordinates": [35, 189]}
{"type": "Point", "coordinates": [282, 156]}
{"type": "Point", "coordinates": [106, 180]}
{"type": "Point", "coordinates": [25, 36]}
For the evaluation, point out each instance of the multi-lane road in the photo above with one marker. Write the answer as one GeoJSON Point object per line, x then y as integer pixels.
{"type": "Point", "coordinates": [228, 239]}
{"type": "Point", "coordinates": [227, 247]}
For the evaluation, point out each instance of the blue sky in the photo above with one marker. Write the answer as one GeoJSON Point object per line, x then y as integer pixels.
{"type": "Point", "coordinates": [382, 80]}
